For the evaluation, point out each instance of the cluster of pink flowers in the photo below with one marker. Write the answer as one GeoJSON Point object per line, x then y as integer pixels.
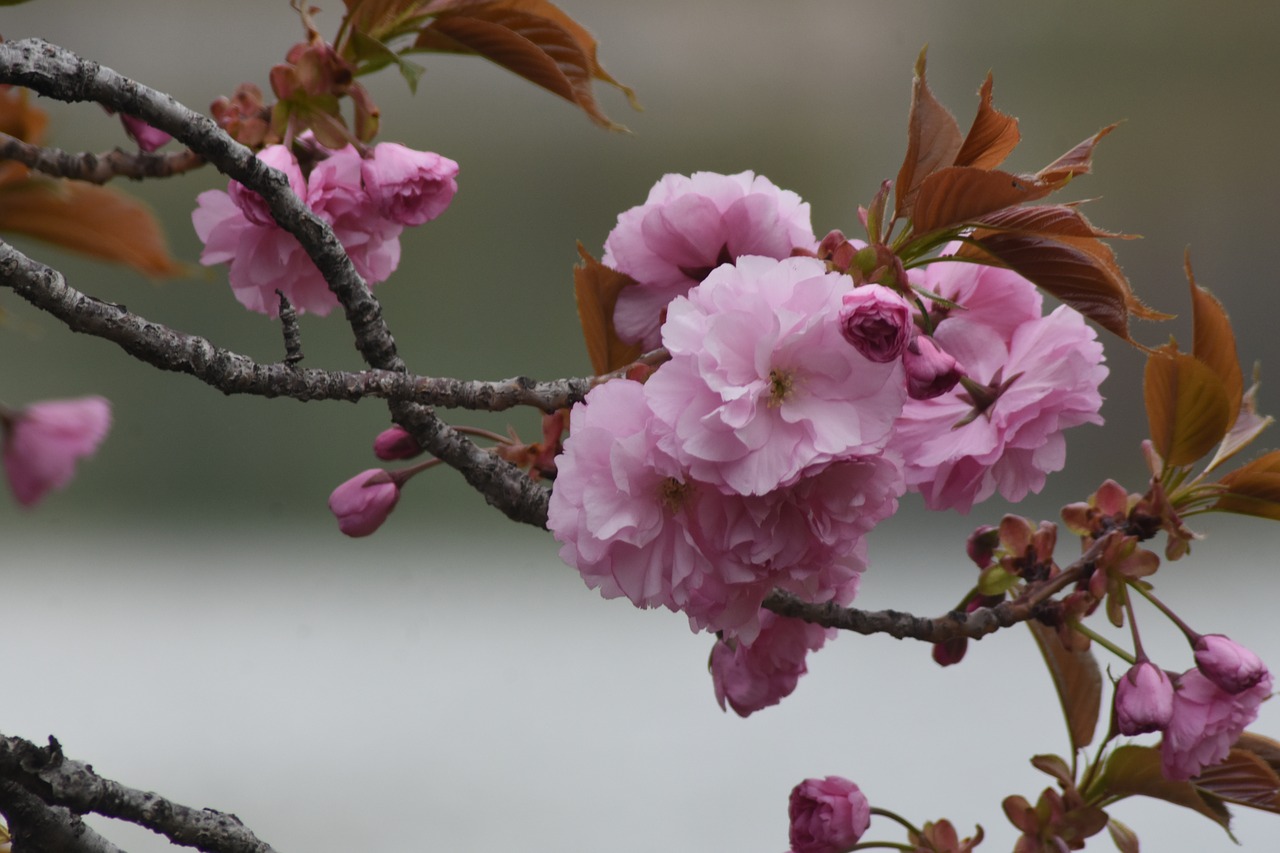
{"type": "Point", "coordinates": [44, 441]}
{"type": "Point", "coordinates": [795, 410]}
{"type": "Point", "coordinates": [367, 200]}
{"type": "Point", "coordinates": [1202, 711]}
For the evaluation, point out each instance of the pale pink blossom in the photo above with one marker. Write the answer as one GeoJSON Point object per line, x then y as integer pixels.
{"type": "Point", "coordinates": [877, 321]}
{"type": "Point", "coordinates": [761, 385]}
{"type": "Point", "coordinates": [1053, 366]}
{"type": "Point", "coordinates": [147, 137]}
{"type": "Point", "coordinates": [1144, 699]}
{"type": "Point", "coordinates": [1228, 664]}
{"type": "Point", "coordinates": [755, 675]}
{"type": "Point", "coordinates": [263, 258]}
{"type": "Point", "coordinates": [363, 503]}
{"type": "Point", "coordinates": [252, 205]}
{"type": "Point", "coordinates": [993, 297]}
{"type": "Point", "coordinates": [1205, 723]}
{"type": "Point", "coordinates": [827, 815]}
{"type": "Point", "coordinates": [44, 441]}
{"type": "Point", "coordinates": [688, 226]}
{"type": "Point", "coordinates": [407, 186]}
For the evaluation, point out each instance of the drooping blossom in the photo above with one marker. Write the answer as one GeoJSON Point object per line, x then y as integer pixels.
{"type": "Point", "coordinates": [1227, 663]}
{"type": "Point", "coordinates": [688, 226]}
{"type": "Point", "coordinates": [237, 230]}
{"type": "Point", "coordinates": [752, 676]}
{"type": "Point", "coordinates": [363, 503]}
{"type": "Point", "coordinates": [1144, 699]}
{"type": "Point", "coordinates": [1052, 367]}
{"type": "Point", "coordinates": [407, 186]}
{"type": "Point", "coordinates": [44, 441]}
{"type": "Point", "coordinates": [395, 443]}
{"type": "Point", "coordinates": [877, 321]}
{"type": "Point", "coordinates": [761, 384]}
{"type": "Point", "coordinates": [931, 370]}
{"type": "Point", "coordinates": [827, 815]}
{"type": "Point", "coordinates": [1205, 723]}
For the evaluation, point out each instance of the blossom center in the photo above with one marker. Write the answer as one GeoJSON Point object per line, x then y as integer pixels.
{"type": "Point", "coordinates": [674, 494]}
{"type": "Point", "coordinates": [781, 383]}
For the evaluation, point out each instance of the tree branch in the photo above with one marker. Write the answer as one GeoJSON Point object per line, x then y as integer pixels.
{"type": "Point", "coordinates": [36, 826]}
{"type": "Point", "coordinates": [58, 781]}
{"type": "Point", "coordinates": [98, 168]}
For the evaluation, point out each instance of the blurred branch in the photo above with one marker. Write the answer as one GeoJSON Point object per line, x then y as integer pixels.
{"type": "Point", "coordinates": [35, 825]}
{"type": "Point", "coordinates": [46, 776]}
{"type": "Point", "coordinates": [97, 168]}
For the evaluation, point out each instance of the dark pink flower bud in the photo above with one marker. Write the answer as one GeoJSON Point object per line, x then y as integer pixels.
{"type": "Point", "coordinates": [43, 442]}
{"type": "Point", "coordinates": [1144, 699]}
{"type": "Point", "coordinates": [877, 321]}
{"type": "Point", "coordinates": [362, 503]}
{"type": "Point", "coordinates": [409, 187]}
{"type": "Point", "coordinates": [1228, 664]}
{"type": "Point", "coordinates": [250, 203]}
{"type": "Point", "coordinates": [755, 676]}
{"type": "Point", "coordinates": [147, 137]}
{"type": "Point", "coordinates": [827, 815]}
{"type": "Point", "coordinates": [395, 443]}
{"type": "Point", "coordinates": [931, 372]}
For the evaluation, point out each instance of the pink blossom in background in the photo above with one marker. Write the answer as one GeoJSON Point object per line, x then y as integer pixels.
{"type": "Point", "coordinates": [877, 321]}
{"type": "Point", "coordinates": [761, 384]}
{"type": "Point", "coordinates": [1228, 664]}
{"type": "Point", "coordinates": [409, 187]}
{"type": "Point", "coordinates": [827, 815]}
{"type": "Point", "coordinates": [1056, 364]}
{"type": "Point", "coordinates": [44, 441]}
{"type": "Point", "coordinates": [263, 257]}
{"type": "Point", "coordinates": [1205, 723]}
{"type": "Point", "coordinates": [753, 676]}
{"type": "Point", "coordinates": [148, 138]}
{"type": "Point", "coordinates": [252, 205]}
{"type": "Point", "coordinates": [1144, 699]}
{"type": "Point", "coordinates": [993, 297]}
{"type": "Point", "coordinates": [687, 227]}
{"type": "Point", "coordinates": [363, 503]}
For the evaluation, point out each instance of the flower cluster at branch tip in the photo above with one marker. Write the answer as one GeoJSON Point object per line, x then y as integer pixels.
{"type": "Point", "coordinates": [827, 815]}
{"type": "Point", "coordinates": [367, 200]}
{"type": "Point", "coordinates": [44, 441]}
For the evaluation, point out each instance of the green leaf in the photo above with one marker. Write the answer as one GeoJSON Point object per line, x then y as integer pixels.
{"type": "Point", "coordinates": [372, 55]}
{"type": "Point", "coordinates": [1133, 770]}
{"type": "Point", "coordinates": [1077, 680]}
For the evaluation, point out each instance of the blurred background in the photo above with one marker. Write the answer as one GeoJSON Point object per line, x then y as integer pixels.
{"type": "Point", "coordinates": [187, 617]}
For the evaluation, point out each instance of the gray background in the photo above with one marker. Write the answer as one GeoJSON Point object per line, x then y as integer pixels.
{"type": "Point", "coordinates": [187, 618]}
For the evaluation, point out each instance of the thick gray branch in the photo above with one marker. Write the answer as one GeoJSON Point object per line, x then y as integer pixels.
{"type": "Point", "coordinates": [98, 168]}
{"type": "Point", "coordinates": [59, 781]}
{"type": "Point", "coordinates": [41, 828]}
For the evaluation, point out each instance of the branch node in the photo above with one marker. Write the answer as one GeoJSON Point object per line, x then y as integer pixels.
{"type": "Point", "coordinates": [292, 332]}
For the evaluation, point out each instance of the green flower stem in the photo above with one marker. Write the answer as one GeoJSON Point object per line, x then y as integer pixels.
{"type": "Point", "coordinates": [897, 818]}
{"type": "Point", "coordinates": [883, 845]}
{"type": "Point", "coordinates": [1103, 641]}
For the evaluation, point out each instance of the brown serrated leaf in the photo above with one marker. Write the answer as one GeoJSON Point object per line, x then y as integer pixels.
{"type": "Point", "coordinates": [1253, 489]}
{"type": "Point", "coordinates": [1215, 342]}
{"type": "Point", "coordinates": [380, 19]}
{"type": "Point", "coordinates": [1242, 778]}
{"type": "Point", "coordinates": [1057, 220]}
{"type": "Point", "coordinates": [1263, 747]}
{"type": "Point", "coordinates": [933, 140]}
{"type": "Point", "coordinates": [596, 288]}
{"type": "Point", "coordinates": [1077, 161]}
{"type": "Point", "coordinates": [96, 221]}
{"type": "Point", "coordinates": [957, 195]}
{"type": "Point", "coordinates": [991, 136]}
{"type": "Point", "coordinates": [1187, 408]}
{"type": "Point", "coordinates": [1078, 681]}
{"type": "Point", "coordinates": [1135, 771]}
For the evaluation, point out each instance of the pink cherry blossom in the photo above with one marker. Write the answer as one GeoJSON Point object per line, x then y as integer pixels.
{"type": "Point", "coordinates": [44, 441]}
{"type": "Point", "coordinates": [147, 137]}
{"type": "Point", "coordinates": [409, 187]}
{"type": "Point", "coordinates": [993, 297]}
{"type": "Point", "coordinates": [1144, 699]}
{"type": "Point", "coordinates": [1205, 723]}
{"type": "Point", "coordinates": [1053, 366]}
{"type": "Point", "coordinates": [877, 321]}
{"type": "Point", "coordinates": [755, 675]}
{"type": "Point", "coordinates": [363, 503]}
{"type": "Point", "coordinates": [687, 227]}
{"type": "Point", "coordinates": [761, 385]}
{"type": "Point", "coordinates": [1228, 664]}
{"type": "Point", "coordinates": [827, 815]}
{"type": "Point", "coordinates": [237, 230]}
{"type": "Point", "coordinates": [394, 443]}
{"type": "Point", "coordinates": [931, 371]}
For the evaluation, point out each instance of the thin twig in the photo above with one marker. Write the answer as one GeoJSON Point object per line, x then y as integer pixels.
{"type": "Point", "coordinates": [98, 168]}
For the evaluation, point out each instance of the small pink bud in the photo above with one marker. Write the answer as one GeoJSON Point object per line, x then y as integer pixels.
{"type": "Point", "coordinates": [147, 137]}
{"type": "Point", "coordinates": [394, 443]}
{"type": "Point", "coordinates": [877, 321]}
{"type": "Point", "coordinates": [1144, 699]}
{"type": "Point", "coordinates": [43, 442]}
{"type": "Point", "coordinates": [982, 545]}
{"type": "Point", "coordinates": [931, 372]}
{"type": "Point", "coordinates": [363, 503]}
{"type": "Point", "coordinates": [409, 187]}
{"type": "Point", "coordinates": [1228, 664]}
{"type": "Point", "coordinates": [827, 815]}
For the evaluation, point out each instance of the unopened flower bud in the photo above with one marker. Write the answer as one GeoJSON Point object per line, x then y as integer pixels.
{"type": "Point", "coordinates": [827, 815]}
{"type": "Point", "coordinates": [1144, 699]}
{"type": "Point", "coordinates": [409, 187]}
{"type": "Point", "coordinates": [877, 321]}
{"type": "Point", "coordinates": [394, 443]}
{"type": "Point", "coordinates": [148, 138]}
{"type": "Point", "coordinates": [1228, 664]}
{"type": "Point", "coordinates": [363, 503]}
{"type": "Point", "coordinates": [931, 372]}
